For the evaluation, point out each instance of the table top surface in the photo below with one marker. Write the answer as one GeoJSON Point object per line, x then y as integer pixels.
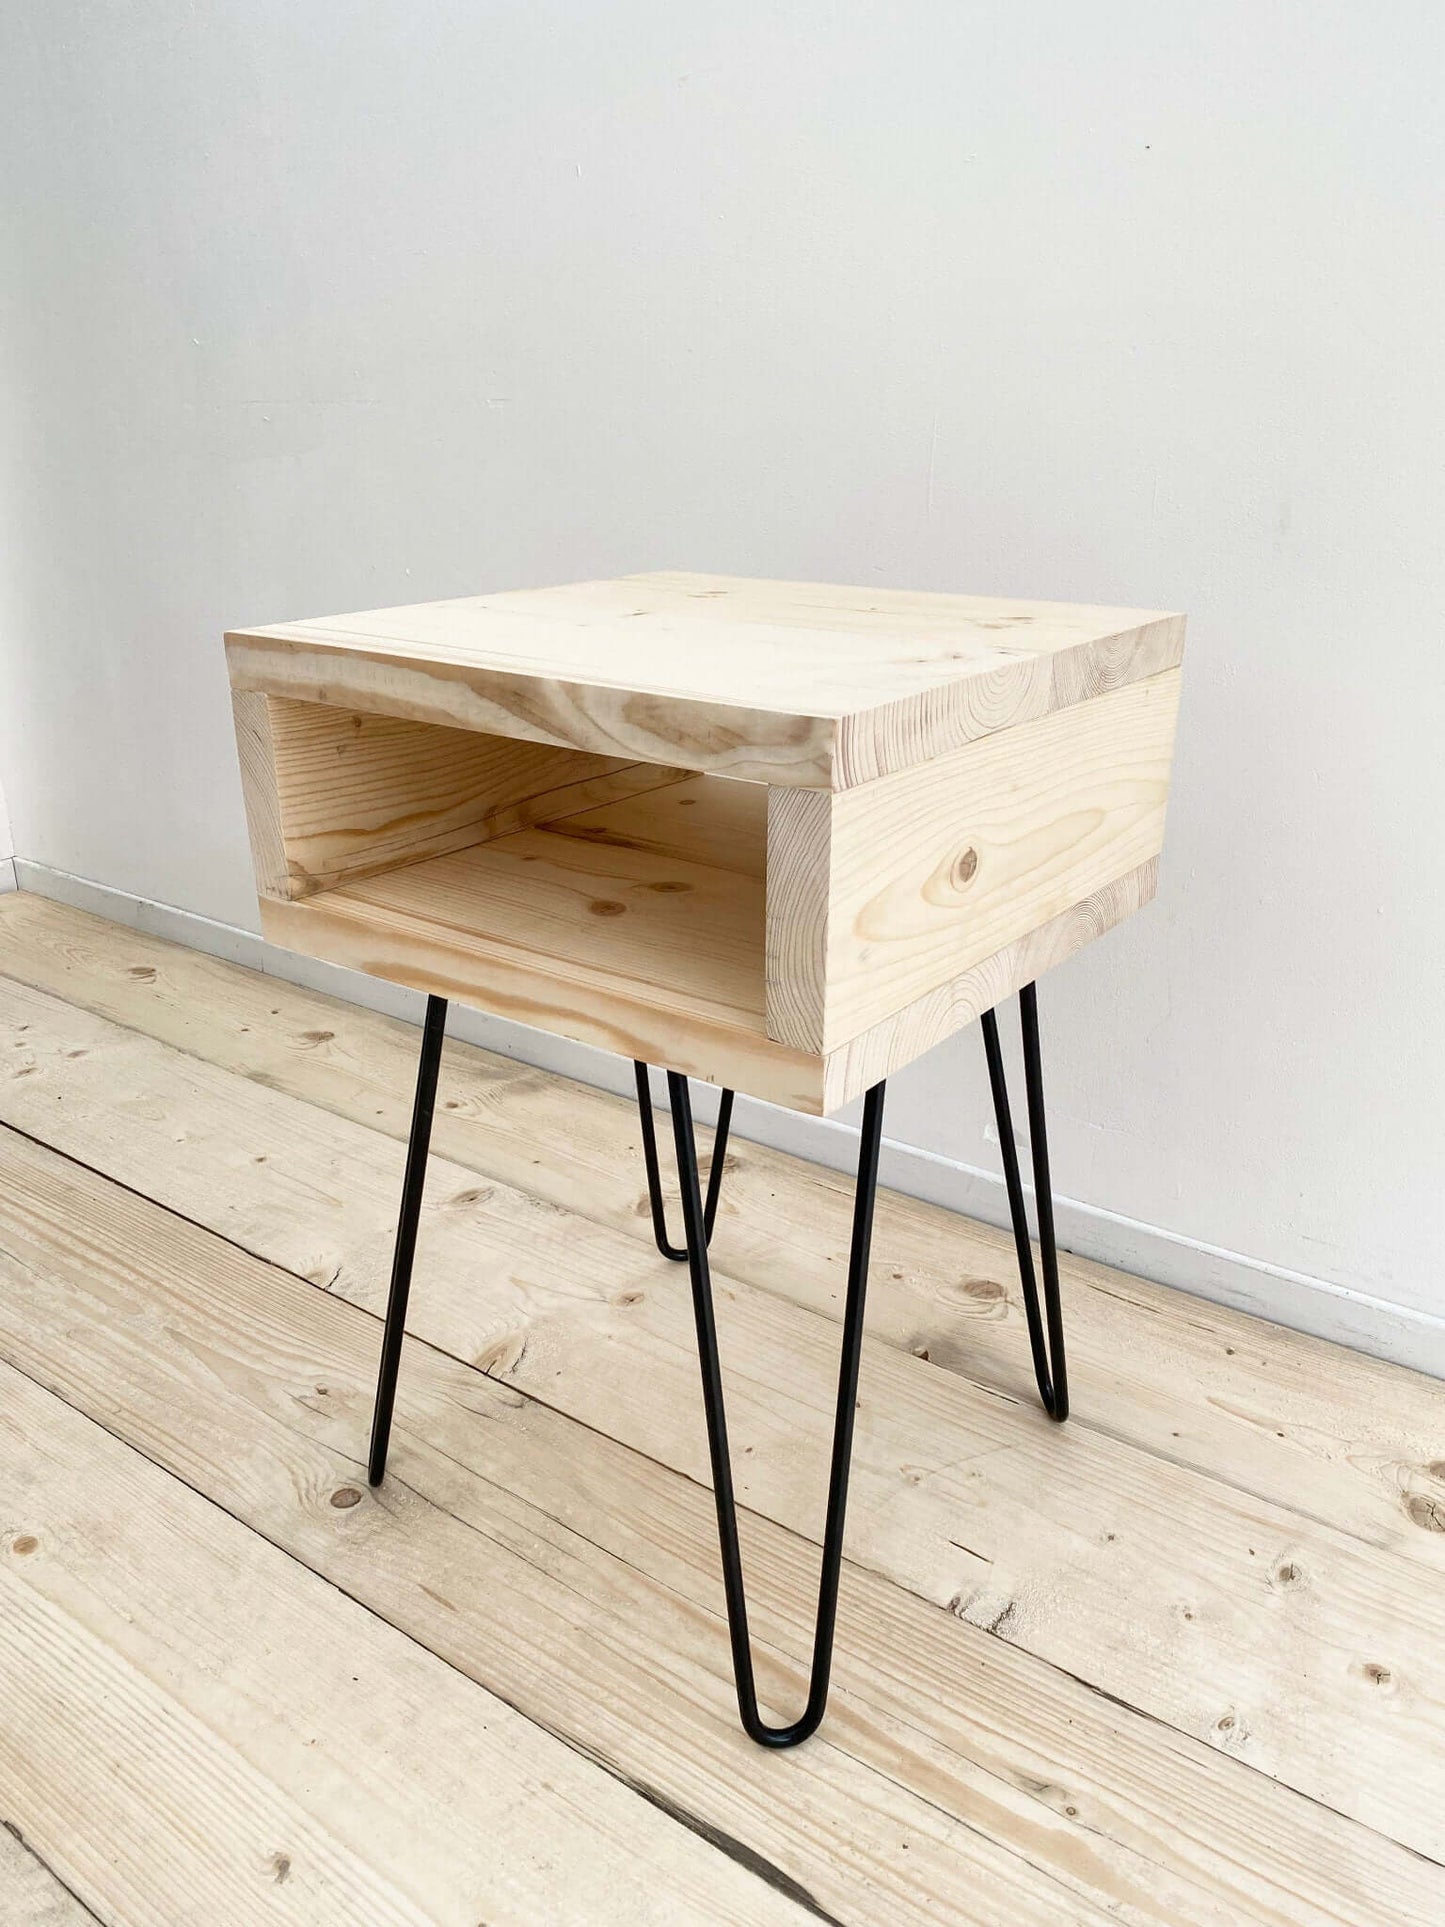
{"type": "Point", "coordinates": [796, 648]}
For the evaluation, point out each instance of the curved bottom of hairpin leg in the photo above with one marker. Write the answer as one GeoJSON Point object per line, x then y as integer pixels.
{"type": "Point", "coordinates": [678, 1253]}
{"type": "Point", "coordinates": [695, 1228]}
{"type": "Point", "coordinates": [1046, 1332]}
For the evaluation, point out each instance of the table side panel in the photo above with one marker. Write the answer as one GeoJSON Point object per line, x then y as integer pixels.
{"type": "Point", "coordinates": [1034, 682]}
{"type": "Point", "coordinates": [800, 833]}
{"type": "Point", "coordinates": [940, 867]}
{"type": "Point", "coordinates": [886, 1047]}
{"type": "Point", "coordinates": [261, 793]}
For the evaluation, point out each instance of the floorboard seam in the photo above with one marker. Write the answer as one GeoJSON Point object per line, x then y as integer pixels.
{"type": "Point", "coordinates": [1348, 1819]}
{"type": "Point", "coordinates": [717, 1837]}
{"type": "Point", "coordinates": [745, 1511]}
{"type": "Point", "coordinates": [451, 1359]}
{"type": "Point", "coordinates": [207, 1231]}
{"type": "Point", "coordinates": [28, 1846]}
{"type": "Point", "coordinates": [694, 1823]}
{"type": "Point", "coordinates": [1076, 1419]}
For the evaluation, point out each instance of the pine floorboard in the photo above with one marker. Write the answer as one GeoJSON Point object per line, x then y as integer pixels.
{"type": "Point", "coordinates": [1176, 1662]}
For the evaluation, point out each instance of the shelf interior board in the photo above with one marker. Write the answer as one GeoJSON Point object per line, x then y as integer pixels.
{"type": "Point", "coordinates": [659, 898]}
{"type": "Point", "coordinates": [717, 821]}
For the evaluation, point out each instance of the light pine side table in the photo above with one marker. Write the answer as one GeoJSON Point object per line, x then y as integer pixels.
{"type": "Point", "coordinates": [783, 837]}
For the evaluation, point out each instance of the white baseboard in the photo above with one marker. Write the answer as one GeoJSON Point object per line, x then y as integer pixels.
{"type": "Point", "coordinates": [8, 878]}
{"type": "Point", "coordinates": [1365, 1323]}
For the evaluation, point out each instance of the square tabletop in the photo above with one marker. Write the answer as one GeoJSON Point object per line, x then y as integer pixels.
{"type": "Point", "coordinates": [798, 683]}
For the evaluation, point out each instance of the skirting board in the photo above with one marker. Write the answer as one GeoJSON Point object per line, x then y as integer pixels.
{"type": "Point", "coordinates": [8, 878]}
{"type": "Point", "coordinates": [1398, 1333]}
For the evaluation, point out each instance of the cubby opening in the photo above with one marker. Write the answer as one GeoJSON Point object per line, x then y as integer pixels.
{"type": "Point", "coordinates": [442, 849]}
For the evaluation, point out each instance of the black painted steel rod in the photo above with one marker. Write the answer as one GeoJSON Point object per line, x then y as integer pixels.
{"type": "Point", "coordinates": [1050, 1361]}
{"type": "Point", "coordinates": [724, 1499]}
{"type": "Point", "coordinates": [678, 1253]}
{"type": "Point", "coordinates": [1046, 1328]}
{"type": "Point", "coordinates": [433, 1031]}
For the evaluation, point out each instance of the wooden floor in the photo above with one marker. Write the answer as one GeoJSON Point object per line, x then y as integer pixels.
{"type": "Point", "coordinates": [1181, 1661]}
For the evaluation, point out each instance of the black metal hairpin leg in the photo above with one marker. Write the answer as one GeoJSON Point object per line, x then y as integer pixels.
{"type": "Point", "coordinates": [695, 1231]}
{"type": "Point", "coordinates": [433, 1031]}
{"type": "Point", "coordinates": [678, 1253]}
{"type": "Point", "coordinates": [1050, 1361]}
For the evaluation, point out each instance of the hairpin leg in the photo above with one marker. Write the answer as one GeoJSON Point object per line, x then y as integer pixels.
{"type": "Point", "coordinates": [1050, 1361]}
{"type": "Point", "coordinates": [433, 1031]}
{"type": "Point", "coordinates": [677, 1253]}
{"type": "Point", "coordinates": [695, 1228]}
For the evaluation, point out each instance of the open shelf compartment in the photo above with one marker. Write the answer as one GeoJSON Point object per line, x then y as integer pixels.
{"type": "Point", "coordinates": [620, 903]}
{"type": "Point", "coordinates": [795, 942]}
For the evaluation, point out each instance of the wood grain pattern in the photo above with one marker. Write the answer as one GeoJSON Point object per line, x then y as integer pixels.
{"type": "Point", "coordinates": [956, 1775]}
{"type": "Point", "coordinates": [904, 1036]}
{"type": "Point", "coordinates": [1346, 1439]}
{"type": "Point", "coordinates": [938, 868]}
{"type": "Point", "coordinates": [799, 878]}
{"type": "Point", "coordinates": [30, 1895]}
{"type": "Point", "coordinates": [712, 737]}
{"type": "Point", "coordinates": [945, 777]}
{"type": "Point", "coordinates": [610, 938]}
{"type": "Point", "coordinates": [196, 1728]}
{"type": "Point", "coordinates": [360, 793]}
{"type": "Point", "coordinates": [491, 1548]}
{"type": "Point", "coordinates": [588, 1005]}
{"type": "Point", "coordinates": [711, 820]}
{"type": "Point", "coordinates": [655, 928]}
{"type": "Point", "coordinates": [261, 792]}
{"type": "Point", "coordinates": [644, 927]}
{"type": "Point", "coordinates": [1251, 1627]}
{"type": "Point", "coordinates": [788, 683]}
{"type": "Point", "coordinates": [576, 1577]}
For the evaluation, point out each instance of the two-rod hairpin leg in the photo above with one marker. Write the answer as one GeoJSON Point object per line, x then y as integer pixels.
{"type": "Point", "coordinates": [695, 1231]}
{"type": "Point", "coordinates": [433, 1031]}
{"type": "Point", "coordinates": [678, 1253]}
{"type": "Point", "coordinates": [1050, 1362]}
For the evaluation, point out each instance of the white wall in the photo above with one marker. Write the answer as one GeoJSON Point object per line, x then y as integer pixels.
{"type": "Point", "coordinates": [328, 307]}
{"type": "Point", "coordinates": [7, 849]}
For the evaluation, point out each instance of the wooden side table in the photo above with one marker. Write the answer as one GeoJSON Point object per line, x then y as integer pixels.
{"type": "Point", "coordinates": [782, 837]}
